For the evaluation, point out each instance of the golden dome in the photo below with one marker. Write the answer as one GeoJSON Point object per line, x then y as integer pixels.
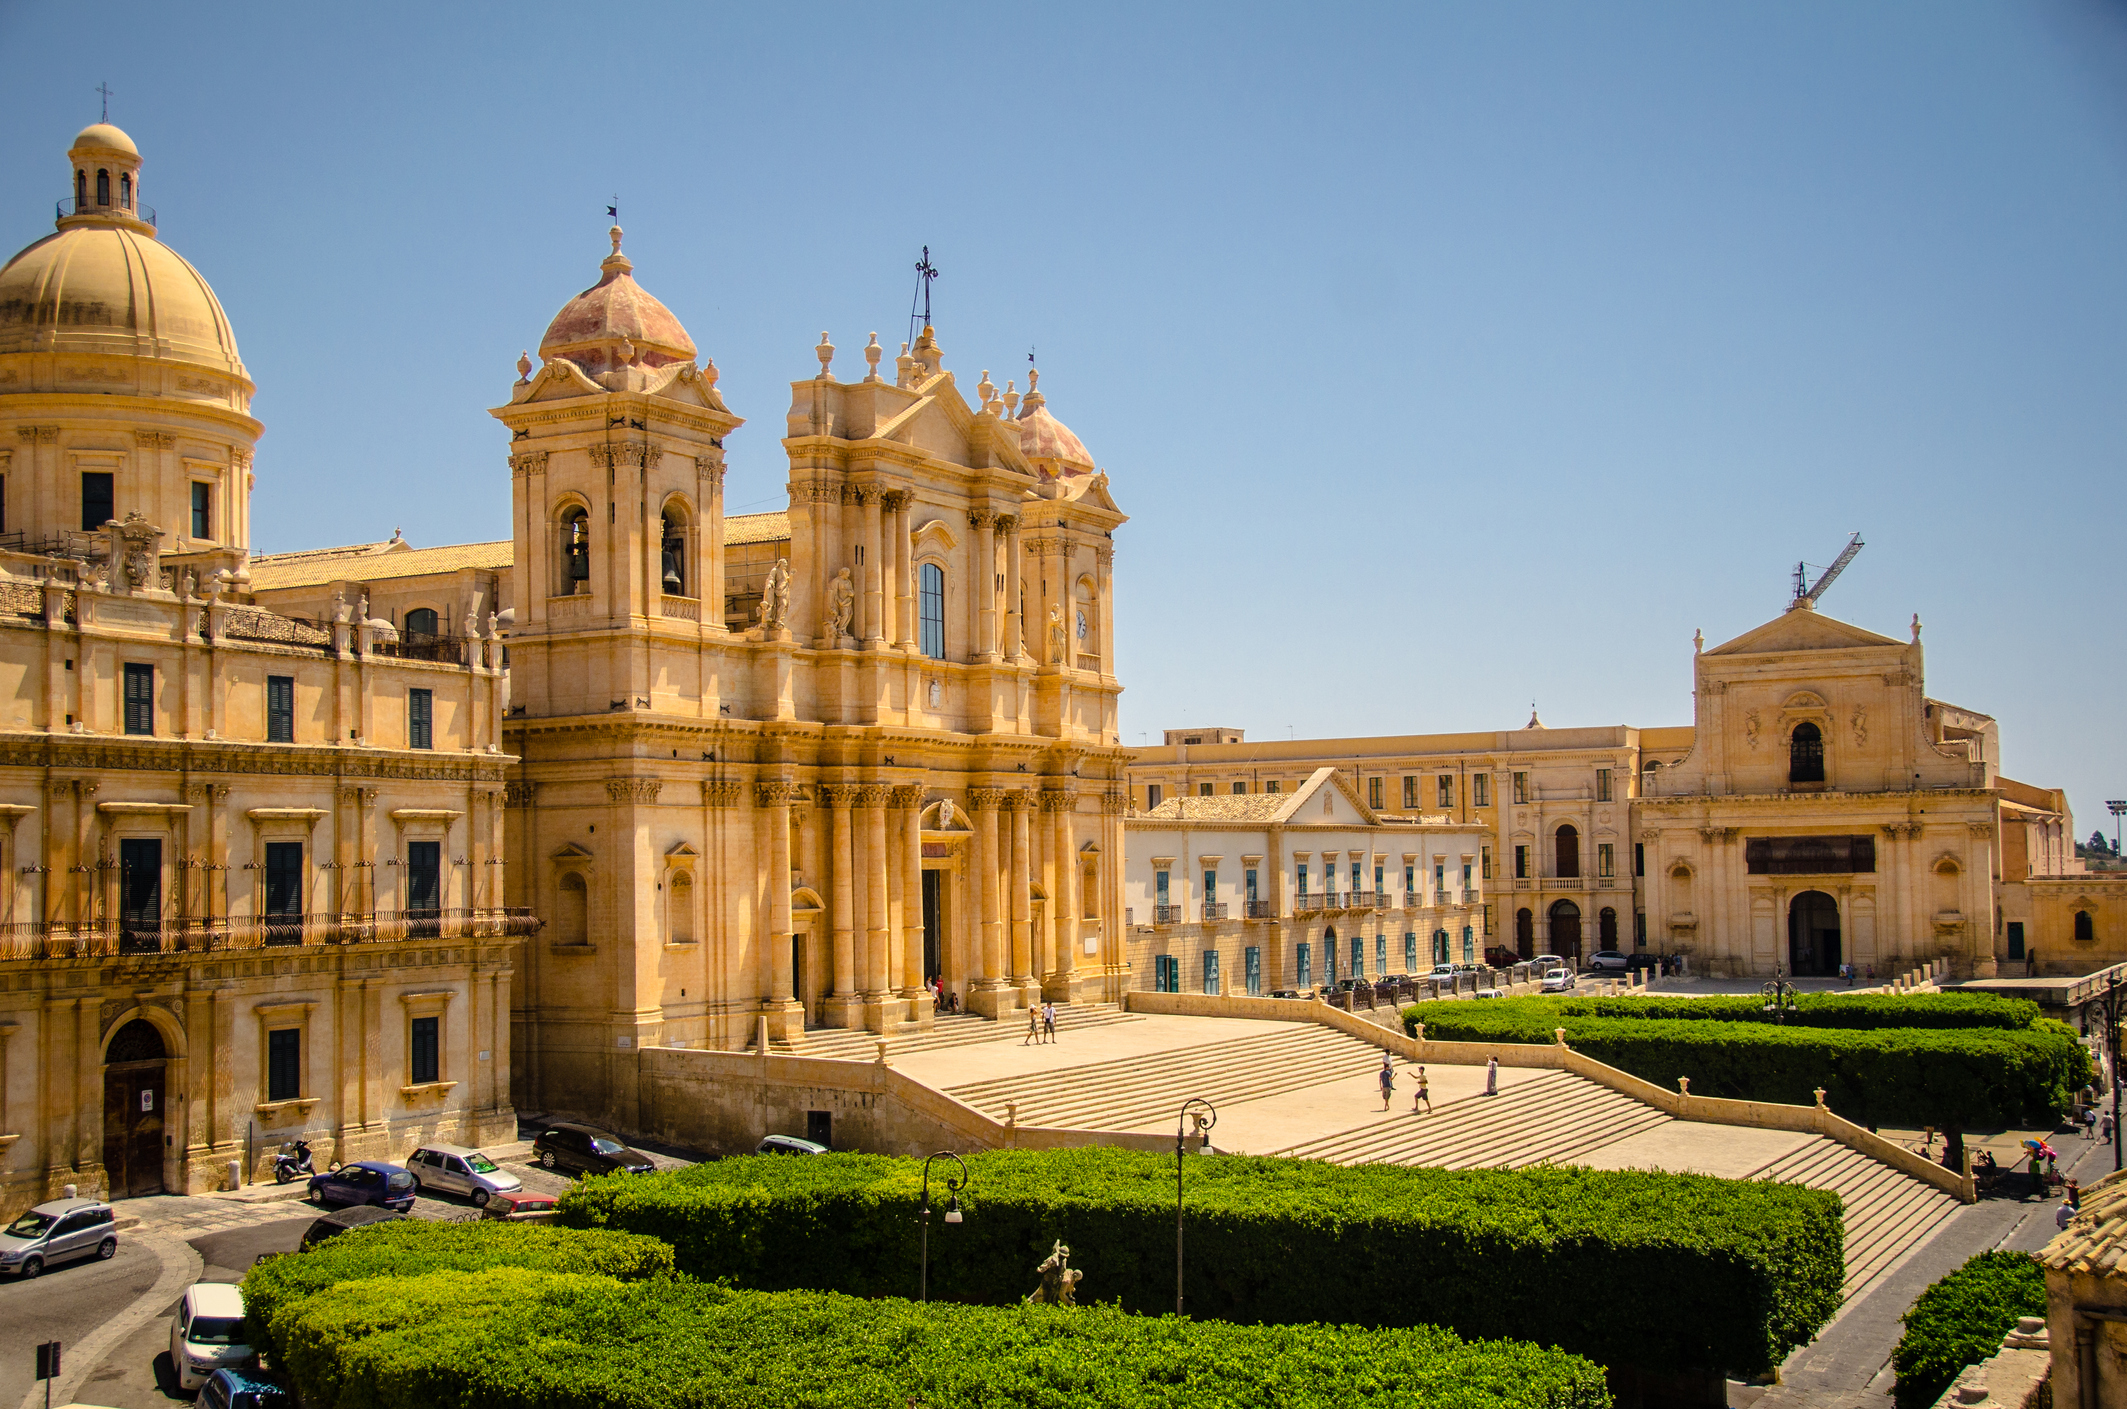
{"type": "Point", "coordinates": [616, 322]}
{"type": "Point", "coordinates": [96, 288]}
{"type": "Point", "coordinates": [102, 136]}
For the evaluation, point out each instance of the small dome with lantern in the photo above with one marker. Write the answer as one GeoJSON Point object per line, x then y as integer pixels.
{"type": "Point", "coordinates": [1047, 442]}
{"type": "Point", "coordinates": [616, 323]}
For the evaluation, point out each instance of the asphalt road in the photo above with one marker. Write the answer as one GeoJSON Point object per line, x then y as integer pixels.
{"type": "Point", "coordinates": [65, 1304]}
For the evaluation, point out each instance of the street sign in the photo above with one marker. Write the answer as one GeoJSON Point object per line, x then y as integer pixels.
{"type": "Point", "coordinates": [48, 1360]}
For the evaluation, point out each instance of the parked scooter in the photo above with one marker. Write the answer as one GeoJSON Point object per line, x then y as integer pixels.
{"type": "Point", "coordinates": [293, 1162]}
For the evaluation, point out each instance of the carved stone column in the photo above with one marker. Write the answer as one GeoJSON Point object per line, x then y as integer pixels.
{"type": "Point", "coordinates": [709, 544]}
{"type": "Point", "coordinates": [772, 819]}
{"type": "Point", "coordinates": [910, 820]}
{"type": "Point", "coordinates": [903, 629]}
{"type": "Point", "coordinates": [1013, 604]}
{"type": "Point", "coordinates": [983, 588]}
{"type": "Point", "coordinates": [986, 994]}
{"type": "Point", "coordinates": [872, 581]}
{"type": "Point", "coordinates": [881, 1009]}
{"type": "Point", "coordinates": [1058, 983]}
{"type": "Point", "coordinates": [1103, 593]}
{"type": "Point", "coordinates": [841, 1006]}
{"type": "Point", "coordinates": [1021, 879]}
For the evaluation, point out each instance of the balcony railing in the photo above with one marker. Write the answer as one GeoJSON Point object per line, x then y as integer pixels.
{"type": "Point", "coordinates": [104, 937]}
{"type": "Point", "coordinates": [1304, 904]}
{"type": "Point", "coordinates": [1413, 899]}
{"type": "Point", "coordinates": [1471, 897]}
{"type": "Point", "coordinates": [1260, 910]}
{"type": "Point", "coordinates": [1167, 914]}
{"type": "Point", "coordinates": [1214, 910]}
{"type": "Point", "coordinates": [76, 205]}
{"type": "Point", "coordinates": [417, 645]}
{"type": "Point", "coordinates": [1443, 897]}
{"type": "Point", "coordinates": [1361, 899]}
{"type": "Point", "coordinates": [1384, 900]}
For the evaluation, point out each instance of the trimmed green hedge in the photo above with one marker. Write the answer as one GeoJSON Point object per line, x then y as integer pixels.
{"type": "Point", "coordinates": [1707, 1272]}
{"type": "Point", "coordinates": [1960, 1321]}
{"type": "Point", "coordinates": [512, 1338]}
{"type": "Point", "coordinates": [1953, 1078]}
{"type": "Point", "coordinates": [413, 1247]}
{"type": "Point", "coordinates": [1867, 1011]}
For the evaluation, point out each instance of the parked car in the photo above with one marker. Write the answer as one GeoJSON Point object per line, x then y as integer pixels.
{"type": "Point", "coordinates": [1489, 993]}
{"type": "Point", "coordinates": [340, 1220]}
{"type": "Point", "coordinates": [1543, 962]}
{"type": "Point", "coordinates": [1501, 957]}
{"type": "Point", "coordinates": [587, 1150]}
{"type": "Point", "coordinates": [237, 1389]}
{"type": "Point", "coordinates": [520, 1208]}
{"type": "Point", "coordinates": [64, 1230]}
{"type": "Point", "coordinates": [1443, 971]}
{"type": "Point", "coordinates": [454, 1169]}
{"type": "Point", "coordinates": [1287, 993]}
{"type": "Point", "coordinates": [369, 1181]}
{"type": "Point", "coordinates": [208, 1332]}
{"type": "Point", "coordinates": [789, 1145]}
{"type": "Point", "coordinates": [1557, 980]}
{"type": "Point", "coordinates": [1608, 960]}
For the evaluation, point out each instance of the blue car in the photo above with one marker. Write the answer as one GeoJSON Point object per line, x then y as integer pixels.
{"type": "Point", "coordinates": [239, 1389]}
{"type": "Point", "coordinates": [369, 1181]}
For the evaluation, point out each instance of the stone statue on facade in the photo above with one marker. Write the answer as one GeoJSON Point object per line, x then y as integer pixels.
{"type": "Point", "coordinates": [775, 596]}
{"type": "Point", "coordinates": [1056, 636]}
{"type": "Point", "coordinates": [841, 607]}
{"type": "Point", "coordinates": [1059, 1280]}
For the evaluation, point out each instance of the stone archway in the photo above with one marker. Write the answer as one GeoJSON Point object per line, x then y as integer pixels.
{"type": "Point", "coordinates": [1813, 947]}
{"type": "Point", "coordinates": [1565, 930]}
{"type": "Point", "coordinates": [134, 1091]}
{"type": "Point", "coordinates": [1524, 933]}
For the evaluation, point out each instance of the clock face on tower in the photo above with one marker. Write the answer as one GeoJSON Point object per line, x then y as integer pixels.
{"type": "Point", "coordinates": [1081, 626]}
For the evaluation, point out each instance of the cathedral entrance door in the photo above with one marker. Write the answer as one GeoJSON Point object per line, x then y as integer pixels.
{"type": "Point", "coordinates": [1813, 935]}
{"type": "Point", "coordinates": [1565, 929]}
{"type": "Point", "coordinates": [932, 927]}
{"type": "Point", "coordinates": [133, 1111]}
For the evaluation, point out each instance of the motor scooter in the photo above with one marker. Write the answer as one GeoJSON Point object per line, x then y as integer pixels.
{"type": "Point", "coordinates": [293, 1162]}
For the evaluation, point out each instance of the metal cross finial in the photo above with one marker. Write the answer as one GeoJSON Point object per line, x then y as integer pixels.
{"type": "Point", "coordinates": [105, 89]}
{"type": "Point", "coordinates": [925, 273]}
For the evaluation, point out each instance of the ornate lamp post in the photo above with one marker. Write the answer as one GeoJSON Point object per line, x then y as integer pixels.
{"type": "Point", "coordinates": [952, 1212]}
{"type": "Point", "coordinates": [1779, 996]}
{"type": "Point", "coordinates": [1196, 1112]}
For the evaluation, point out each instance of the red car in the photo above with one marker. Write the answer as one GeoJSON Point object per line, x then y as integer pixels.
{"type": "Point", "coordinates": [521, 1207]}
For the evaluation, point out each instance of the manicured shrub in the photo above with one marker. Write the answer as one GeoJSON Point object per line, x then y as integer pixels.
{"type": "Point", "coordinates": [1953, 1078]}
{"type": "Point", "coordinates": [1870, 1011]}
{"type": "Point", "coordinates": [511, 1338]}
{"type": "Point", "coordinates": [1960, 1321]}
{"type": "Point", "coordinates": [415, 1246]}
{"type": "Point", "coordinates": [1707, 1272]}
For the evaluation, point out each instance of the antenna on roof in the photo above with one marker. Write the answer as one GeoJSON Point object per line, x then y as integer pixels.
{"type": "Point", "coordinates": [925, 272]}
{"type": "Point", "coordinates": [1807, 596]}
{"type": "Point", "coordinates": [105, 89]}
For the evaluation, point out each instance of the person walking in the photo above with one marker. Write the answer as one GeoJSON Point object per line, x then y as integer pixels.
{"type": "Point", "coordinates": [1491, 1076]}
{"type": "Point", "coordinates": [2104, 1128]}
{"type": "Point", "coordinates": [1048, 1022]}
{"type": "Point", "coordinates": [1424, 1096]}
{"type": "Point", "coordinates": [1388, 1081]}
{"type": "Point", "coordinates": [1033, 1027]}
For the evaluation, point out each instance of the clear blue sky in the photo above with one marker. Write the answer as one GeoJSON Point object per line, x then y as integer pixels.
{"type": "Point", "coordinates": [1446, 357]}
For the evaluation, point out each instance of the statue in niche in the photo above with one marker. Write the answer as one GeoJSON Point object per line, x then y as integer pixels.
{"type": "Point", "coordinates": [1861, 725]}
{"type": "Point", "coordinates": [1750, 729]}
{"type": "Point", "coordinates": [775, 596]}
{"type": "Point", "coordinates": [1059, 1280]}
{"type": "Point", "coordinates": [1056, 635]}
{"type": "Point", "coordinates": [841, 607]}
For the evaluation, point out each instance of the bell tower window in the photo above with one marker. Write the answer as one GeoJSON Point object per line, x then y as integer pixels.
{"type": "Point", "coordinates": [125, 191]}
{"type": "Point", "coordinates": [81, 189]}
{"type": "Point", "coordinates": [103, 188]}
{"type": "Point", "coordinates": [1805, 754]}
{"type": "Point", "coordinates": [575, 553]}
{"type": "Point", "coordinates": [674, 564]}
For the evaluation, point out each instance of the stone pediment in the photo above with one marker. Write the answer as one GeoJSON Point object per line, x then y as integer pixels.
{"type": "Point", "coordinates": [1801, 630]}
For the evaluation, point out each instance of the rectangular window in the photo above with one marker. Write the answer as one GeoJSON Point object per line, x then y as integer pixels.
{"type": "Point", "coordinates": [1481, 790]}
{"type": "Point", "coordinates": [1410, 952]}
{"type": "Point", "coordinates": [1159, 887]}
{"type": "Point", "coordinates": [1373, 792]}
{"type": "Point", "coordinates": [1355, 876]}
{"type": "Point", "coordinates": [1203, 790]}
{"type": "Point", "coordinates": [1252, 970]}
{"type": "Point", "coordinates": [202, 515]}
{"type": "Point", "coordinates": [284, 878]}
{"type": "Point", "coordinates": [1358, 957]}
{"type": "Point", "coordinates": [1410, 792]}
{"type": "Point", "coordinates": [1447, 790]}
{"type": "Point", "coordinates": [97, 506]}
{"type": "Point", "coordinates": [1239, 789]}
{"type": "Point", "coordinates": [1410, 879]}
{"type": "Point", "coordinates": [1484, 862]}
{"type": "Point", "coordinates": [1469, 945]}
{"type": "Point", "coordinates": [426, 1054]}
{"type": "Point", "coordinates": [2016, 939]}
{"type": "Point", "coordinates": [1381, 954]}
{"type": "Point", "coordinates": [1303, 878]}
{"type": "Point", "coordinates": [1274, 786]}
{"type": "Point", "coordinates": [1602, 785]}
{"type": "Point", "coordinates": [1808, 856]}
{"type": "Point", "coordinates": [424, 876]}
{"type": "Point", "coordinates": [1639, 930]}
{"type": "Point", "coordinates": [140, 893]}
{"type": "Point", "coordinates": [1329, 963]}
{"type": "Point", "coordinates": [1248, 878]}
{"type": "Point", "coordinates": [1521, 863]}
{"type": "Point", "coordinates": [1377, 880]}
{"type": "Point", "coordinates": [1521, 787]}
{"type": "Point", "coordinates": [1487, 919]}
{"type": "Point", "coordinates": [1153, 793]}
{"type": "Point", "coordinates": [931, 612]}
{"type": "Point", "coordinates": [1211, 971]}
{"type": "Point", "coordinates": [1440, 875]}
{"type": "Point", "coordinates": [421, 719]}
{"type": "Point", "coordinates": [1605, 859]}
{"type": "Point", "coordinates": [1304, 965]}
{"type": "Point", "coordinates": [1465, 875]}
{"type": "Point", "coordinates": [1211, 887]}
{"type": "Point", "coordinates": [280, 709]}
{"type": "Point", "coordinates": [1639, 858]}
{"type": "Point", "coordinates": [140, 698]}
{"type": "Point", "coordinates": [284, 1064]}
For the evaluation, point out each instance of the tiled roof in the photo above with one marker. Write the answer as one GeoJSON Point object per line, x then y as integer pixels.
{"type": "Point", "coordinates": [756, 528]}
{"type": "Point", "coordinates": [2096, 1238]}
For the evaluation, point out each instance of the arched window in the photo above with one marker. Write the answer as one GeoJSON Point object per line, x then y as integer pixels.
{"type": "Point", "coordinates": [931, 615]}
{"type": "Point", "coordinates": [1805, 754]}
{"type": "Point", "coordinates": [573, 923]}
{"type": "Point", "coordinates": [1568, 852]}
{"type": "Point", "coordinates": [421, 621]}
{"type": "Point", "coordinates": [674, 565]}
{"type": "Point", "coordinates": [81, 189]}
{"type": "Point", "coordinates": [1525, 934]}
{"type": "Point", "coordinates": [103, 188]}
{"type": "Point", "coordinates": [575, 553]}
{"type": "Point", "coordinates": [125, 191]}
{"type": "Point", "coordinates": [2085, 930]}
{"type": "Point", "coordinates": [1606, 929]}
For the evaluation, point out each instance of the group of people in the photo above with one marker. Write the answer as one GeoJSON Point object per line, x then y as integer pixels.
{"type": "Point", "coordinates": [1041, 1024]}
{"type": "Point", "coordinates": [1421, 1099]}
{"type": "Point", "coordinates": [943, 999]}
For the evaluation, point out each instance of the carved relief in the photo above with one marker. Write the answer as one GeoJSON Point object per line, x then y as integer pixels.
{"type": "Point", "coordinates": [1750, 729]}
{"type": "Point", "coordinates": [985, 799]}
{"type": "Point", "coordinates": [908, 796]}
{"type": "Point", "coordinates": [710, 468]}
{"type": "Point", "coordinates": [874, 794]}
{"type": "Point", "coordinates": [38, 435]}
{"type": "Point", "coordinates": [154, 440]}
{"type": "Point", "coordinates": [721, 792]}
{"type": "Point", "coordinates": [633, 789]}
{"type": "Point", "coordinates": [1861, 725]}
{"type": "Point", "coordinates": [529, 462]}
{"type": "Point", "coordinates": [519, 794]}
{"type": "Point", "coordinates": [626, 454]}
{"type": "Point", "coordinates": [980, 517]}
{"type": "Point", "coordinates": [840, 796]}
{"type": "Point", "coordinates": [776, 793]}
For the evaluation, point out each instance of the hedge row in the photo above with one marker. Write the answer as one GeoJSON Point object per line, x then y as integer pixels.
{"type": "Point", "coordinates": [1960, 1321]}
{"type": "Point", "coordinates": [413, 1247]}
{"type": "Point", "coordinates": [510, 1337]}
{"type": "Point", "coordinates": [1869, 1011]}
{"type": "Point", "coordinates": [1707, 1272]}
{"type": "Point", "coordinates": [1903, 1077]}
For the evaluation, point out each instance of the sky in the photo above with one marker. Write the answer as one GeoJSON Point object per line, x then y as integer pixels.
{"type": "Point", "coordinates": [1447, 358]}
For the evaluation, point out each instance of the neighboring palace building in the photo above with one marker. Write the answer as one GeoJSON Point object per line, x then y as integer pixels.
{"type": "Point", "coordinates": [1821, 810]}
{"type": "Point", "coordinates": [253, 865]}
{"type": "Point", "coordinates": [1263, 892]}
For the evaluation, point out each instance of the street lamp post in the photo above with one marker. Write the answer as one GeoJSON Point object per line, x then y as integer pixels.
{"type": "Point", "coordinates": [952, 1213]}
{"type": "Point", "coordinates": [2116, 806]}
{"type": "Point", "coordinates": [2110, 1003]}
{"type": "Point", "coordinates": [1202, 1120]}
{"type": "Point", "coordinates": [1779, 996]}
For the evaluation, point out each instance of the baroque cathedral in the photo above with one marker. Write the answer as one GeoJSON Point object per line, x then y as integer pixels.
{"type": "Point", "coordinates": [283, 861]}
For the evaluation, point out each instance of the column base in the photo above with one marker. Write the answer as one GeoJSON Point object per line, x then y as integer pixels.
{"type": "Point", "coordinates": [842, 1010]}
{"type": "Point", "coordinates": [1066, 987]}
{"type": "Point", "coordinates": [920, 1008]}
{"type": "Point", "coordinates": [786, 1022]}
{"type": "Point", "coordinates": [992, 999]}
{"type": "Point", "coordinates": [884, 1012]}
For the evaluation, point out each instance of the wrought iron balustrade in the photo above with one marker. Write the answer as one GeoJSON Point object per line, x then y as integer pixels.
{"type": "Point", "coordinates": [1260, 910]}
{"type": "Point", "coordinates": [181, 935]}
{"type": "Point", "coordinates": [1167, 914]}
{"type": "Point", "coordinates": [1214, 910]}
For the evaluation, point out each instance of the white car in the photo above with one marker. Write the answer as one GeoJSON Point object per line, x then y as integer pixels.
{"type": "Point", "coordinates": [1490, 993]}
{"type": "Point", "coordinates": [1557, 980]}
{"type": "Point", "coordinates": [208, 1332]}
{"type": "Point", "coordinates": [1443, 971]}
{"type": "Point", "coordinates": [458, 1170]}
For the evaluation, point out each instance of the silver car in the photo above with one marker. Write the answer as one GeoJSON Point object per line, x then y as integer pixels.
{"type": "Point", "coordinates": [453, 1169]}
{"type": "Point", "coordinates": [63, 1230]}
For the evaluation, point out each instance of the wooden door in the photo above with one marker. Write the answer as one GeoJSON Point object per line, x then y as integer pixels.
{"type": "Point", "coordinates": [133, 1128]}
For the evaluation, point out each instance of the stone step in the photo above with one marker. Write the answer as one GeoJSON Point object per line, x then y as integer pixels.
{"type": "Point", "coordinates": [947, 1030]}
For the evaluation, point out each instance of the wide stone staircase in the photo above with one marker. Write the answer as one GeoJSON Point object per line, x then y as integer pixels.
{"type": "Point", "coordinates": [1554, 1116]}
{"type": "Point", "coordinates": [1887, 1212]}
{"type": "Point", "coordinates": [947, 1030]}
{"type": "Point", "coordinates": [1137, 1091]}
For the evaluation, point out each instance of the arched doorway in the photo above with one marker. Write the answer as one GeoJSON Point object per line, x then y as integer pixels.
{"type": "Point", "coordinates": [1606, 929]}
{"type": "Point", "coordinates": [1813, 935]}
{"type": "Point", "coordinates": [1524, 933]}
{"type": "Point", "coordinates": [1565, 929]}
{"type": "Point", "coordinates": [1569, 854]}
{"type": "Point", "coordinates": [133, 1110]}
{"type": "Point", "coordinates": [1329, 957]}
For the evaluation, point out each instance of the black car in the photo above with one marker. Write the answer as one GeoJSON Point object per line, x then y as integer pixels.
{"type": "Point", "coordinates": [587, 1150]}
{"type": "Point", "coordinates": [341, 1219]}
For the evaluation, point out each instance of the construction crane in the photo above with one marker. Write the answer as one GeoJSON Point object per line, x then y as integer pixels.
{"type": "Point", "coordinates": [1807, 596]}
